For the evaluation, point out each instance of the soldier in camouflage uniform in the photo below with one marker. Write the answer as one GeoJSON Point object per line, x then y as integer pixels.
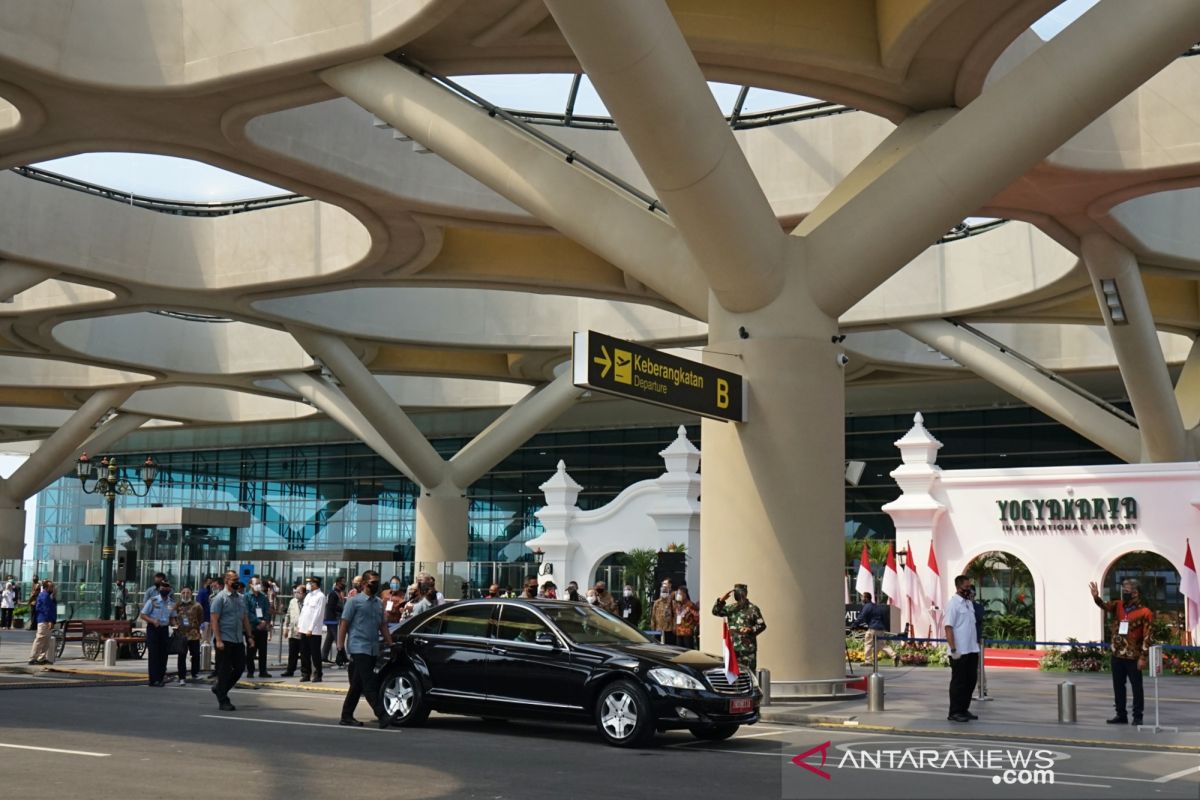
{"type": "Point", "coordinates": [745, 624]}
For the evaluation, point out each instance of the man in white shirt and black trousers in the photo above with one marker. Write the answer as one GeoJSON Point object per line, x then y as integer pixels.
{"type": "Point", "coordinates": [311, 626]}
{"type": "Point", "coordinates": [963, 641]}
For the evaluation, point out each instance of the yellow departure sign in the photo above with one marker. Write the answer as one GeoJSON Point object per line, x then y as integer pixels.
{"type": "Point", "coordinates": [611, 365]}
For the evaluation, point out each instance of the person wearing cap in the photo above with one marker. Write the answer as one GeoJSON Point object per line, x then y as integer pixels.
{"type": "Point", "coordinates": [158, 613]}
{"type": "Point", "coordinates": [745, 622]}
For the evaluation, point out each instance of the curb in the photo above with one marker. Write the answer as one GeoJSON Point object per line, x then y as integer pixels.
{"type": "Point", "coordinates": [1005, 737]}
{"type": "Point", "coordinates": [291, 687]}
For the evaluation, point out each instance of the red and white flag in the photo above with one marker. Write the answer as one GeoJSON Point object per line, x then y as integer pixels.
{"type": "Point", "coordinates": [936, 602]}
{"type": "Point", "coordinates": [731, 666]}
{"type": "Point", "coordinates": [1189, 587]}
{"type": "Point", "coordinates": [914, 592]}
{"type": "Point", "coordinates": [891, 581]}
{"type": "Point", "coordinates": [865, 582]}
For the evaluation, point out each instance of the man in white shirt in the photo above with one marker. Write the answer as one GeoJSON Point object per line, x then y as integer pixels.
{"type": "Point", "coordinates": [963, 642]}
{"type": "Point", "coordinates": [310, 627]}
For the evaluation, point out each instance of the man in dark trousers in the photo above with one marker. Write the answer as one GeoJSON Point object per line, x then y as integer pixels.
{"type": "Point", "coordinates": [874, 617]}
{"type": "Point", "coordinates": [334, 601]}
{"type": "Point", "coordinates": [963, 641]}
{"type": "Point", "coordinates": [1130, 629]}
{"type": "Point", "coordinates": [231, 627]}
{"type": "Point", "coordinates": [359, 631]}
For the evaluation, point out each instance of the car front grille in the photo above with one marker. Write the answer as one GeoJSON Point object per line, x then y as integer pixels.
{"type": "Point", "coordinates": [720, 684]}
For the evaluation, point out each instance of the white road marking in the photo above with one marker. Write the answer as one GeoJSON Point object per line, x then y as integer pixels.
{"type": "Point", "coordinates": [291, 722]}
{"type": "Point", "coordinates": [1174, 775]}
{"type": "Point", "coordinates": [56, 750]}
{"type": "Point", "coordinates": [1015, 742]}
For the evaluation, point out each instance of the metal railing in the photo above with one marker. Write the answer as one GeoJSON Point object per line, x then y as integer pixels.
{"type": "Point", "coordinates": [1061, 381]}
{"type": "Point", "coordinates": [183, 208]}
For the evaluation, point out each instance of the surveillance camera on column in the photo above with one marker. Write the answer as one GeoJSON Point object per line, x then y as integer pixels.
{"type": "Point", "coordinates": [842, 359]}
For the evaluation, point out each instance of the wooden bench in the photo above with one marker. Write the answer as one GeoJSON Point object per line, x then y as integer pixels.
{"type": "Point", "coordinates": [92, 633]}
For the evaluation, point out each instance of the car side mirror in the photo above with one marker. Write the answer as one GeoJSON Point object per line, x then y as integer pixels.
{"type": "Point", "coordinates": [546, 638]}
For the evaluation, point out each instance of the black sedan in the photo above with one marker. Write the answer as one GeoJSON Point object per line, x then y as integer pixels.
{"type": "Point", "coordinates": [560, 660]}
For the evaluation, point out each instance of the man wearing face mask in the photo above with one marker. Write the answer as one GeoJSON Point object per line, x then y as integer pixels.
{"type": "Point", "coordinates": [290, 630]}
{"type": "Point", "coordinates": [158, 613]}
{"type": "Point", "coordinates": [189, 616]}
{"type": "Point", "coordinates": [361, 627]}
{"type": "Point", "coordinates": [573, 593]}
{"type": "Point", "coordinates": [745, 624]}
{"type": "Point", "coordinates": [258, 610]}
{"type": "Point", "coordinates": [662, 614]}
{"type": "Point", "coordinates": [963, 641]}
{"type": "Point", "coordinates": [334, 601]}
{"type": "Point", "coordinates": [629, 607]}
{"type": "Point", "coordinates": [530, 592]}
{"type": "Point", "coordinates": [312, 624]}
{"type": "Point", "coordinates": [1130, 638]}
{"type": "Point", "coordinates": [229, 625]}
{"type": "Point", "coordinates": [591, 597]}
{"type": "Point", "coordinates": [604, 599]}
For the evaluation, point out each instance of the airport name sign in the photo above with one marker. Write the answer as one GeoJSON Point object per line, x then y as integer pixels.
{"type": "Point", "coordinates": [615, 366]}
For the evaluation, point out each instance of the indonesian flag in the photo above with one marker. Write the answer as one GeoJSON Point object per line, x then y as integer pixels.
{"type": "Point", "coordinates": [914, 592]}
{"type": "Point", "coordinates": [936, 602]}
{"type": "Point", "coordinates": [1189, 587]}
{"type": "Point", "coordinates": [891, 581]}
{"type": "Point", "coordinates": [731, 666]}
{"type": "Point", "coordinates": [865, 582]}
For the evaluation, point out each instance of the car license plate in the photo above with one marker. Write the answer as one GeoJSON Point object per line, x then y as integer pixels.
{"type": "Point", "coordinates": [742, 706]}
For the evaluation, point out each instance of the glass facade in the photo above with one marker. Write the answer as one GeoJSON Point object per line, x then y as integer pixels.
{"type": "Point", "coordinates": [345, 497]}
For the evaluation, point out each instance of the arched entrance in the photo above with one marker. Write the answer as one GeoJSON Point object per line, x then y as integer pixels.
{"type": "Point", "coordinates": [1005, 586]}
{"type": "Point", "coordinates": [1159, 584]}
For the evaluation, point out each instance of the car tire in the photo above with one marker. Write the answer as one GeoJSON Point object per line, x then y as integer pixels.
{"type": "Point", "coordinates": [714, 733]}
{"type": "Point", "coordinates": [623, 715]}
{"type": "Point", "coordinates": [403, 699]}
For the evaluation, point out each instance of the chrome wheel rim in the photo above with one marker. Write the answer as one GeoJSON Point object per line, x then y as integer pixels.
{"type": "Point", "coordinates": [398, 696]}
{"type": "Point", "coordinates": [619, 715]}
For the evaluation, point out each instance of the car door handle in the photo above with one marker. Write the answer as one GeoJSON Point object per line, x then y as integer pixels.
{"type": "Point", "coordinates": [417, 640]}
{"type": "Point", "coordinates": [499, 651]}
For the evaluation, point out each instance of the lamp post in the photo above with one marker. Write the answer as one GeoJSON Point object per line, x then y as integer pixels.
{"type": "Point", "coordinates": [109, 482]}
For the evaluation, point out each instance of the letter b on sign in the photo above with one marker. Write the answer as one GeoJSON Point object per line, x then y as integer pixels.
{"type": "Point", "coordinates": [722, 393]}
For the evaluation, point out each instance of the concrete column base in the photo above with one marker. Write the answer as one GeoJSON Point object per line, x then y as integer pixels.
{"type": "Point", "coordinates": [772, 502]}
{"type": "Point", "coordinates": [441, 525]}
{"type": "Point", "coordinates": [12, 533]}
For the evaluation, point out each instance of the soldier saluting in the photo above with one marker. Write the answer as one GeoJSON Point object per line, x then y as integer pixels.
{"type": "Point", "coordinates": [745, 624]}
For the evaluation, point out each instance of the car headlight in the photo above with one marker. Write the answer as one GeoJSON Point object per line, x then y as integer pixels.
{"type": "Point", "coordinates": [674, 679]}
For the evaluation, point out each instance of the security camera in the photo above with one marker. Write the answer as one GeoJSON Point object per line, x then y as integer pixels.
{"type": "Point", "coordinates": [842, 359]}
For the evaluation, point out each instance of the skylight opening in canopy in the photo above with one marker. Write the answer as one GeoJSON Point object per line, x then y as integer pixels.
{"type": "Point", "coordinates": [545, 92]}
{"type": "Point", "coordinates": [758, 100]}
{"type": "Point", "coordinates": [161, 177]}
{"type": "Point", "coordinates": [1056, 19]}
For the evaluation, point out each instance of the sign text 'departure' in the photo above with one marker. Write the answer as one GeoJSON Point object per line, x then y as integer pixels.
{"type": "Point", "coordinates": [611, 365]}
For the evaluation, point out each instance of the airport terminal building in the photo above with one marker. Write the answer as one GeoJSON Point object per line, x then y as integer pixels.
{"type": "Point", "coordinates": [861, 210]}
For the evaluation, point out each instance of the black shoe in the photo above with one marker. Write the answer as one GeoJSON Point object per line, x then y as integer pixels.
{"type": "Point", "coordinates": [32, 662]}
{"type": "Point", "coordinates": [353, 722]}
{"type": "Point", "coordinates": [958, 718]}
{"type": "Point", "coordinates": [305, 679]}
{"type": "Point", "coordinates": [385, 722]}
{"type": "Point", "coordinates": [228, 706]}
{"type": "Point", "coordinates": [1137, 721]}
{"type": "Point", "coordinates": [288, 674]}
{"type": "Point", "coordinates": [213, 689]}
{"type": "Point", "coordinates": [969, 715]}
{"type": "Point", "coordinates": [317, 679]}
{"type": "Point", "coordinates": [1118, 720]}
{"type": "Point", "coordinates": [264, 674]}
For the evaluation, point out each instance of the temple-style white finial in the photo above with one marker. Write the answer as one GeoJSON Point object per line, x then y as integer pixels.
{"type": "Point", "coordinates": [918, 446]}
{"type": "Point", "coordinates": [561, 489]}
{"type": "Point", "coordinates": [681, 455]}
{"type": "Point", "coordinates": [919, 418]}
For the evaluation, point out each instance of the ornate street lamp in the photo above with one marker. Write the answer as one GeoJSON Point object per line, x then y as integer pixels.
{"type": "Point", "coordinates": [110, 482]}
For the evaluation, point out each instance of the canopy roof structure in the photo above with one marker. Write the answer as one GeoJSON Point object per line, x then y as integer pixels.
{"type": "Point", "coordinates": [433, 250]}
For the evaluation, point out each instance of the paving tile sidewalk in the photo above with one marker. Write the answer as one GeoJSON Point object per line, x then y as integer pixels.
{"type": "Point", "coordinates": [1023, 704]}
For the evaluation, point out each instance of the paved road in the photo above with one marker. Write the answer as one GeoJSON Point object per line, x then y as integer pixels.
{"type": "Point", "coordinates": [117, 741]}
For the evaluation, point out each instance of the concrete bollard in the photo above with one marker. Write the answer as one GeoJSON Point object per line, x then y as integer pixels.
{"type": "Point", "coordinates": [1066, 702]}
{"type": "Point", "coordinates": [875, 692]}
{"type": "Point", "coordinates": [206, 657]}
{"type": "Point", "coordinates": [764, 683]}
{"type": "Point", "coordinates": [110, 652]}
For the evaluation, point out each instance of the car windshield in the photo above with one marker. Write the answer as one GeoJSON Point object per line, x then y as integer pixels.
{"type": "Point", "coordinates": [587, 625]}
